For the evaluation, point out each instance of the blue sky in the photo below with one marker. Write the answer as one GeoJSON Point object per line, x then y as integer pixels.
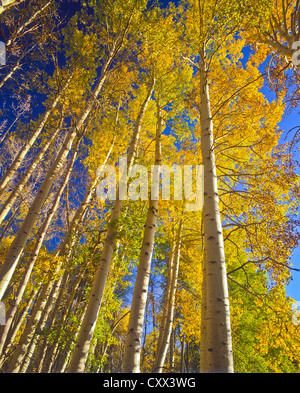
{"type": "Point", "coordinates": [289, 121]}
{"type": "Point", "coordinates": [293, 289]}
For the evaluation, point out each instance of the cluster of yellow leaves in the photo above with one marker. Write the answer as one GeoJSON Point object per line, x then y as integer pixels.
{"type": "Point", "coordinates": [277, 339]}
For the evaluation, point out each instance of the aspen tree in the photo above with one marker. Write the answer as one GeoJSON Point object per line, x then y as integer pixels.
{"type": "Point", "coordinates": [40, 239]}
{"type": "Point", "coordinates": [22, 183]}
{"type": "Point", "coordinates": [20, 240]}
{"type": "Point", "coordinates": [9, 174]}
{"type": "Point", "coordinates": [80, 354]}
{"type": "Point", "coordinates": [37, 247]}
{"type": "Point", "coordinates": [217, 353]}
{"type": "Point", "coordinates": [131, 360]}
{"type": "Point", "coordinates": [169, 304]}
{"type": "Point", "coordinates": [20, 29]}
{"type": "Point", "coordinates": [279, 30]}
{"type": "Point", "coordinates": [211, 23]}
{"type": "Point", "coordinates": [16, 248]}
{"type": "Point", "coordinates": [6, 4]}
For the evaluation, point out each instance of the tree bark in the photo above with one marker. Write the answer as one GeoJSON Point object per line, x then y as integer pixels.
{"type": "Point", "coordinates": [22, 183]}
{"type": "Point", "coordinates": [216, 354]}
{"type": "Point", "coordinates": [20, 240]}
{"type": "Point", "coordinates": [80, 354]}
{"type": "Point", "coordinates": [6, 4]}
{"type": "Point", "coordinates": [18, 244]}
{"type": "Point", "coordinates": [9, 342]}
{"type": "Point", "coordinates": [7, 177]}
{"type": "Point", "coordinates": [131, 360]}
{"type": "Point", "coordinates": [35, 253]}
{"type": "Point", "coordinates": [27, 22]}
{"type": "Point", "coordinates": [168, 317]}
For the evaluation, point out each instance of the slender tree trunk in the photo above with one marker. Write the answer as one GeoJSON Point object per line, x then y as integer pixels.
{"type": "Point", "coordinates": [24, 343]}
{"type": "Point", "coordinates": [171, 352]}
{"type": "Point", "coordinates": [35, 253]}
{"type": "Point", "coordinates": [27, 22]}
{"type": "Point", "coordinates": [76, 221]}
{"type": "Point", "coordinates": [10, 220]}
{"type": "Point", "coordinates": [22, 183]}
{"type": "Point", "coordinates": [25, 149]}
{"type": "Point", "coordinates": [80, 354]}
{"type": "Point", "coordinates": [14, 328]}
{"type": "Point", "coordinates": [6, 4]}
{"type": "Point", "coordinates": [167, 298]}
{"type": "Point", "coordinates": [131, 360]}
{"type": "Point", "coordinates": [168, 318]}
{"type": "Point", "coordinates": [20, 240]}
{"type": "Point", "coordinates": [216, 354]}
{"type": "Point", "coordinates": [18, 244]}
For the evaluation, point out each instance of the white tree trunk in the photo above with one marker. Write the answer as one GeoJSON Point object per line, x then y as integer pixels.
{"type": "Point", "coordinates": [19, 242]}
{"type": "Point", "coordinates": [25, 340]}
{"type": "Point", "coordinates": [27, 22]}
{"type": "Point", "coordinates": [8, 3]}
{"type": "Point", "coordinates": [22, 183]}
{"type": "Point", "coordinates": [216, 354]}
{"type": "Point", "coordinates": [35, 253]}
{"type": "Point", "coordinates": [131, 360]}
{"type": "Point", "coordinates": [168, 317]}
{"type": "Point", "coordinates": [76, 221]}
{"type": "Point", "coordinates": [81, 350]}
{"type": "Point", "coordinates": [9, 174]}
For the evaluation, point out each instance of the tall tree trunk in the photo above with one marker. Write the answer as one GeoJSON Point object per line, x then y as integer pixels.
{"type": "Point", "coordinates": [9, 174]}
{"type": "Point", "coordinates": [80, 354]}
{"type": "Point", "coordinates": [168, 317]}
{"type": "Point", "coordinates": [17, 323]}
{"type": "Point", "coordinates": [27, 22]}
{"type": "Point", "coordinates": [76, 221]}
{"type": "Point", "coordinates": [131, 360]}
{"type": "Point", "coordinates": [35, 253]}
{"type": "Point", "coordinates": [25, 340]}
{"type": "Point", "coordinates": [18, 244]}
{"type": "Point", "coordinates": [22, 183]}
{"type": "Point", "coordinates": [216, 354]}
{"type": "Point", "coordinates": [6, 4]}
{"type": "Point", "coordinates": [20, 240]}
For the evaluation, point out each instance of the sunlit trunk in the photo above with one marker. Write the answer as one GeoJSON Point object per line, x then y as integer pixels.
{"type": "Point", "coordinates": [169, 308]}
{"type": "Point", "coordinates": [216, 353]}
{"type": "Point", "coordinates": [131, 360]}
{"type": "Point", "coordinates": [80, 354]}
